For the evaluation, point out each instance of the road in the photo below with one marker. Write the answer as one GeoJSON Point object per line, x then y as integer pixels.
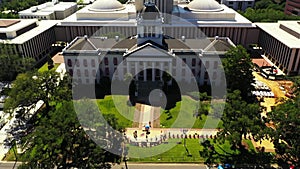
{"type": "Point", "coordinates": [159, 166]}
{"type": "Point", "coordinates": [8, 165]}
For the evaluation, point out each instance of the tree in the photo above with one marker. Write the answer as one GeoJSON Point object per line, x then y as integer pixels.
{"type": "Point", "coordinates": [238, 70]}
{"type": "Point", "coordinates": [30, 87]}
{"type": "Point", "coordinates": [267, 15]}
{"type": "Point", "coordinates": [12, 65]}
{"type": "Point", "coordinates": [60, 141]}
{"type": "Point", "coordinates": [286, 132]}
{"type": "Point", "coordinates": [239, 120]}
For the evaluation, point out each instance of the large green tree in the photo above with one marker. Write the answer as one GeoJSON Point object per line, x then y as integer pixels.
{"type": "Point", "coordinates": [30, 87]}
{"type": "Point", "coordinates": [238, 70]}
{"type": "Point", "coordinates": [240, 119]}
{"type": "Point", "coordinates": [286, 132]}
{"type": "Point", "coordinates": [12, 65]}
{"type": "Point", "coordinates": [60, 141]}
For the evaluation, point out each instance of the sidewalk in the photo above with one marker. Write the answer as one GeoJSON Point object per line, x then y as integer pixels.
{"type": "Point", "coordinates": [4, 131]}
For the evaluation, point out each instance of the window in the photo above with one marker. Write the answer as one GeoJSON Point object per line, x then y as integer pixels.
{"type": "Point", "coordinates": [87, 81]}
{"type": "Point", "coordinates": [183, 72]}
{"type": "Point", "coordinates": [77, 62]}
{"type": "Point", "coordinates": [84, 62]}
{"type": "Point", "coordinates": [106, 61]}
{"type": "Point", "coordinates": [207, 64]}
{"type": "Point", "coordinates": [214, 76]}
{"type": "Point", "coordinates": [86, 73]}
{"type": "Point", "coordinates": [94, 73]}
{"type": "Point", "coordinates": [93, 63]}
{"type": "Point", "coordinates": [107, 71]}
{"type": "Point", "coordinates": [115, 61]}
{"type": "Point", "coordinates": [69, 62]}
{"type": "Point", "coordinates": [194, 71]}
{"type": "Point", "coordinates": [71, 72]}
{"type": "Point", "coordinates": [116, 71]}
{"type": "Point", "coordinates": [183, 61]}
{"type": "Point", "coordinates": [215, 64]}
{"type": "Point", "coordinates": [193, 62]}
{"type": "Point", "coordinates": [206, 75]}
{"type": "Point", "coordinates": [78, 73]}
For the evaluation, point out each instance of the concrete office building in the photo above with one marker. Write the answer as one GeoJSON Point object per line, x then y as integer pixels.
{"type": "Point", "coordinates": [50, 11]}
{"type": "Point", "coordinates": [27, 37]}
{"type": "Point", "coordinates": [239, 4]}
{"type": "Point", "coordinates": [281, 43]}
{"type": "Point", "coordinates": [292, 7]}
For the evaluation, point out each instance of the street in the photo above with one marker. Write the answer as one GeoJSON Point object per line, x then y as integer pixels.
{"type": "Point", "coordinates": [159, 166]}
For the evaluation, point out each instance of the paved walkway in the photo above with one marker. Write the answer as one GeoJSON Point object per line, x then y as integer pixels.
{"type": "Point", "coordinates": [4, 131]}
{"type": "Point", "coordinates": [145, 115]}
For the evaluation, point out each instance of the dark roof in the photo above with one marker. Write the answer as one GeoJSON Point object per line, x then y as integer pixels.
{"type": "Point", "coordinates": [4, 23]}
{"type": "Point", "coordinates": [94, 43]}
{"type": "Point", "coordinates": [187, 43]}
{"type": "Point", "coordinates": [207, 44]}
{"type": "Point", "coordinates": [218, 45]}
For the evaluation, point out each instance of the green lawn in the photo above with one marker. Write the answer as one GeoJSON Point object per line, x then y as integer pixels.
{"type": "Point", "coordinates": [45, 67]}
{"type": "Point", "coordinates": [173, 152]}
{"type": "Point", "coordinates": [181, 116]}
{"type": "Point", "coordinates": [123, 112]}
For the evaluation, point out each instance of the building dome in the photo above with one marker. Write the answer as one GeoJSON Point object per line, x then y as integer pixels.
{"type": "Point", "coordinates": [204, 6]}
{"type": "Point", "coordinates": [106, 5]}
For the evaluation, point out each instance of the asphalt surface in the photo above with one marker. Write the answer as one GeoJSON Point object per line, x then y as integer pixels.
{"type": "Point", "coordinates": [8, 165]}
{"type": "Point", "coordinates": [159, 166]}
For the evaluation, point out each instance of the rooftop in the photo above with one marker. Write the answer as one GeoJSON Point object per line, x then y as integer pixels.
{"type": "Point", "coordinates": [209, 45]}
{"type": "Point", "coordinates": [43, 26]}
{"type": "Point", "coordinates": [47, 8]}
{"type": "Point", "coordinates": [4, 23]}
{"type": "Point", "coordinates": [10, 26]}
{"type": "Point", "coordinates": [286, 32]}
{"type": "Point", "coordinates": [226, 17]}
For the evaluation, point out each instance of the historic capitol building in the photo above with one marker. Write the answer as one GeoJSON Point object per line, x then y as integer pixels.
{"type": "Point", "coordinates": [148, 38]}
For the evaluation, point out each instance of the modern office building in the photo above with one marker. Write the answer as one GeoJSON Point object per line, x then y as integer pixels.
{"type": "Point", "coordinates": [239, 4]}
{"type": "Point", "coordinates": [27, 37]}
{"type": "Point", "coordinates": [292, 7]}
{"type": "Point", "coordinates": [147, 55]}
{"type": "Point", "coordinates": [281, 43]}
{"type": "Point", "coordinates": [197, 19]}
{"type": "Point", "coordinates": [50, 11]}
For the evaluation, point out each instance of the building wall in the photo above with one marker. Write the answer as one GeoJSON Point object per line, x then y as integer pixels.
{"type": "Point", "coordinates": [287, 59]}
{"type": "Point", "coordinates": [292, 7]}
{"type": "Point", "coordinates": [237, 35]}
{"type": "Point", "coordinates": [59, 15]}
{"type": "Point", "coordinates": [88, 69]}
{"type": "Point", "coordinates": [39, 46]}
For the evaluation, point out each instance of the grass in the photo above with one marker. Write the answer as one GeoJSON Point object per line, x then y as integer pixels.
{"type": "Point", "coordinates": [181, 116]}
{"type": "Point", "coordinates": [174, 152]}
{"type": "Point", "coordinates": [10, 155]}
{"type": "Point", "coordinates": [122, 112]}
{"type": "Point", "coordinates": [45, 67]}
{"type": "Point", "coordinates": [171, 152]}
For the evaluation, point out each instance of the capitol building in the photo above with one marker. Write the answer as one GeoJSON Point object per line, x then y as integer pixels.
{"type": "Point", "coordinates": [150, 42]}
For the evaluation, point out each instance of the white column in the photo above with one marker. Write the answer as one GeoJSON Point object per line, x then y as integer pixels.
{"type": "Point", "coordinates": [153, 72]}
{"type": "Point", "coordinates": [161, 68]}
{"type": "Point", "coordinates": [128, 66]}
{"type": "Point", "coordinates": [136, 70]}
{"type": "Point", "coordinates": [145, 71]}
